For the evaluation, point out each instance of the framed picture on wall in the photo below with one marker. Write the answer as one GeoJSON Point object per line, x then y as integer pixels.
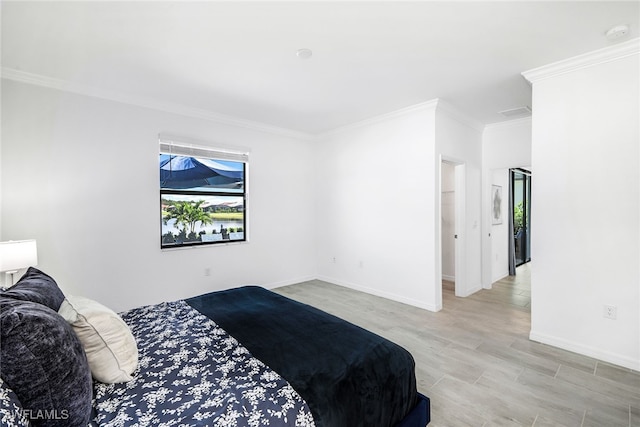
{"type": "Point", "coordinates": [496, 204]}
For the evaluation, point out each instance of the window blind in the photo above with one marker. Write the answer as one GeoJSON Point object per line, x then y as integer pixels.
{"type": "Point", "coordinates": [186, 147]}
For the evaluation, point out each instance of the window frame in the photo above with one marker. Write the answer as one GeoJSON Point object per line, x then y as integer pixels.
{"type": "Point", "coordinates": [170, 147]}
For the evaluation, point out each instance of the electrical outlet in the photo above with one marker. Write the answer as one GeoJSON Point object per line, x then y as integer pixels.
{"type": "Point", "coordinates": [610, 312]}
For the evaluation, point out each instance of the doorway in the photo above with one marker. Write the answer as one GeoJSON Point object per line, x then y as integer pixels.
{"type": "Point", "coordinates": [452, 212]}
{"type": "Point", "coordinates": [521, 197]}
{"type": "Point", "coordinates": [448, 230]}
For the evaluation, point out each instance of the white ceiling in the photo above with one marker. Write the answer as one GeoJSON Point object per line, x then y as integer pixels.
{"type": "Point", "coordinates": [369, 58]}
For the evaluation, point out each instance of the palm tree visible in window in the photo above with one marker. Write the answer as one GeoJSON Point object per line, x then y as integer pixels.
{"type": "Point", "coordinates": [188, 214]}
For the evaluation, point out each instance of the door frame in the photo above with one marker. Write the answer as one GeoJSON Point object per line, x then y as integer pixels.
{"type": "Point", "coordinates": [526, 196]}
{"type": "Point", "coordinates": [460, 222]}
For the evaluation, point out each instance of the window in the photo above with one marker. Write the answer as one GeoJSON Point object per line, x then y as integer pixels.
{"type": "Point", "coordinates": [202, 195]}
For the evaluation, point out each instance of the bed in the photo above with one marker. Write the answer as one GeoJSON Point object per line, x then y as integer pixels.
{"type": "Point", "coordinates": [240, 357]}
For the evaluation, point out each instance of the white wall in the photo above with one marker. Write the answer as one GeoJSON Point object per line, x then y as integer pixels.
{"type": "Point", "coordinates": [507, 144]}
{"type": "Point", "coordinates": [586, 194]}
{"type": "Point", "coordinates": [459, 141]}
{"type": "Point", "coordinates": [80, 175]}
{"type": "Point", "coordinates": [375, 193]}
{"type": "Point", "coordinates": [504, 145]}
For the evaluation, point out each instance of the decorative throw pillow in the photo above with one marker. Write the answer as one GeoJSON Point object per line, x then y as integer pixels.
{"type": "Point", "coordinates": [111, 349]}
{"type": "Point", "coordinates": [44, 364]}
{"type": "Point", "coordinates": [36, 286]}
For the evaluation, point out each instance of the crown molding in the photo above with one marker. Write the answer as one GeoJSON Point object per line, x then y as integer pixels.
{"type": "Point", "coordinates": [423, 106]}
{"type": "Point", "coordinates": [434, 104]}
{"type": "Point", "coordinates": [459, 116]}
{"type": "Point", "coordinates": [508, 123]}
{"type": "Point", "coordinates": [600, 56]}
{"type": "Point", "coordinates": [154, 104]}
{"type": "Point", "coordinates": [174, 108]}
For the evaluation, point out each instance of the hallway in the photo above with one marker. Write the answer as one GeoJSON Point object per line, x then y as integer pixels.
{"type": "Point", "coordinates": [511, 290]}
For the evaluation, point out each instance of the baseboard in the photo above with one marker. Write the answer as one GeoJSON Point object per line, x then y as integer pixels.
{"type": "Point", "coordinates": [500, 276]}
{"type": "Point", "coordinates": [596, 353]}
{"type": "Point", "coordinates": [382, 294]}
{"type": "Point", "coordinates": [472, 291]}
{"type": "Point", "coordinates": [448, 278]}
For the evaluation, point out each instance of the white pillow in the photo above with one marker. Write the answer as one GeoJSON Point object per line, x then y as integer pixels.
{"type": "Point", "coordinates": [107, 340]}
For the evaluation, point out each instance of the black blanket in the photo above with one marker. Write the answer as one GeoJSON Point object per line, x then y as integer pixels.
{"type": "Point", "coordinates": [348, 376]}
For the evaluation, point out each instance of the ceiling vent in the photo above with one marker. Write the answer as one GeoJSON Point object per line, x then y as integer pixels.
{"type": "Point", "coordinates": [516, 112]}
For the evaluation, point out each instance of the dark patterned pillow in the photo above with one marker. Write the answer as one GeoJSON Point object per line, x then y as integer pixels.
{"type": "Point", "coordinates": [11, 413]}
{"type": "Point", "coordinates": [36, 286]}
{"type": "Point", "coordinates": [43, 362]}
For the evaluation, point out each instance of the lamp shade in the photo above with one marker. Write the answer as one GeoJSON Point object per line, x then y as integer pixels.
{"type": "Point", "coordinates": [17, 254]}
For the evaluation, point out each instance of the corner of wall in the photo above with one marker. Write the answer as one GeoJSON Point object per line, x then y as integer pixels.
{"type": "Point", "coordinates": [581, 151]}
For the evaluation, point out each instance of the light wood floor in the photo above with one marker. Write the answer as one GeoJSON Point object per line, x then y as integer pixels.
{"type": "Point", "coordinates": [475, 362]}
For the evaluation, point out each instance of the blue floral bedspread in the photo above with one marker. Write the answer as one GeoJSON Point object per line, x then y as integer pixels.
{"type": "Point", "coordinates": [192, 373]}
